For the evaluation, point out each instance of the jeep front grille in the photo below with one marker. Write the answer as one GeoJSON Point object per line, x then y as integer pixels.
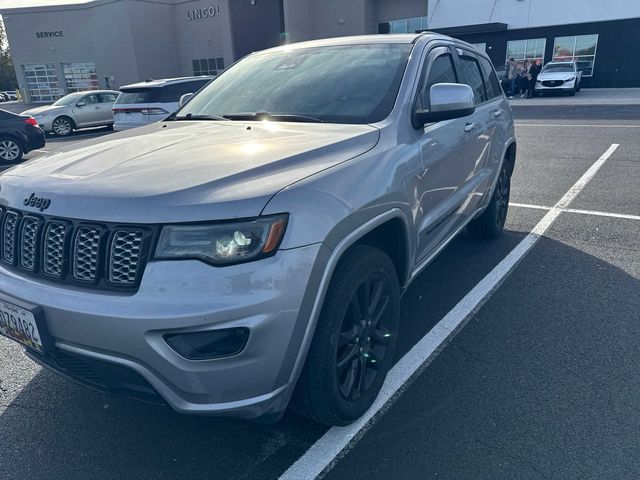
{"type": "Point", "coordinates": [9, 227]}
{"type": "Point", "coordinates": [29, 233]}
{"type": "Point", "coordinates": [55, 237]}
{"type": "Point", "coordinates": [96, 255]}
{"type": "Point", "coordinates": [85, 254]}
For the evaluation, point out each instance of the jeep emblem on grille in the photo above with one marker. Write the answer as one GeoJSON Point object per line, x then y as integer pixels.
{"type": "Point", "coordinates": [40, 203]}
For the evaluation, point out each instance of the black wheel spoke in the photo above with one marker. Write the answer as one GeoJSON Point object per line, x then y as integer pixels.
{"type": "Point", "coordinates": [347, 336]}
{"type": "Point", "coordinates": [347, 358]}
{"type": "Point", "coordinates": [384, 302]}
{"type": "Point", "coordinates": [376, 295]}
{"type": "Point", "coordinates": [364, 296]}
{"type": "Point", "coordinates": [380, 335]}
{"type": "Point", "coordinates": [354, 308]}
{"type": "Point", "coordinates": [373, 360]}
{"type": "Point", "coordinates": [362, 370]}
{"type": "Point", "coordinates": [349, 381]}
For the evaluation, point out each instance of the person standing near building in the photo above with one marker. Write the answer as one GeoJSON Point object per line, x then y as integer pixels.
{"type": "Point", "coordinates": [512, 76]}
{"type": "Point", "coordinates": [534, 71]}
{"type": "Point", "coordinates": [523, 78]}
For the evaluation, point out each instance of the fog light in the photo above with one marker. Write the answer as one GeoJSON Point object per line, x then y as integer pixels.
{"type": "Point", "coordinates": [210, 344]}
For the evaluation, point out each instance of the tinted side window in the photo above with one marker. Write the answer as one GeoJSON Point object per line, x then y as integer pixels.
{"type": "Point", "coordinates": [490, 78]}
{"type": "Point", "coordinates": [172, 93]}
{"type": "Point", "coordinates": [441, 71]}
{"type": "Point", "coordinates": [469, 72]}
{"type": "Point", "coordinates": [107, 98]}
{"type": "Point", "coordinates": [90, 99]}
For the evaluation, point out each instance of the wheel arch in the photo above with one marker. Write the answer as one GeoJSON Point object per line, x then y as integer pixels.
{"type": "Point", "coordinates": [15, 137]}
{"type": "Point", "coordinates": [386, 225]}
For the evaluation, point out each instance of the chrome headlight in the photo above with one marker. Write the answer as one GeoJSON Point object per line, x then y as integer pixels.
{"type": "Point", "coordinates": [223, 243]}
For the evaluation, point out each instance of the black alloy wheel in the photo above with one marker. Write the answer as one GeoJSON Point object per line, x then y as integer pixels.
{"type": "Point", "coordinates": [354, 341]}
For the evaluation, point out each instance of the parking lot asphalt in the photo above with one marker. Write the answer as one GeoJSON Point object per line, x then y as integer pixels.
{"type": "Point", "coordinates": [540, 381]}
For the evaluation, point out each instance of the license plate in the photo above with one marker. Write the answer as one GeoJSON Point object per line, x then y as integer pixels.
{"type": "Point", "coordinates": [20, 324]}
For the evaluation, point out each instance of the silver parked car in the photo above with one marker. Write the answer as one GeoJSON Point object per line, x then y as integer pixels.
{"type": "Point", "coordinates": [252, 248]}
{"type": "Point", "coordinates": [76, 110]}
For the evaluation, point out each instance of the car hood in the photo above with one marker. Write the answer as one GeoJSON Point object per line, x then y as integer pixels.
{"type": "Point", "coordinates": [182, 171]}
{"type": "Point", "coordinates": [556, 76]}
{"type": "Point", "coordinates": [43, 110]}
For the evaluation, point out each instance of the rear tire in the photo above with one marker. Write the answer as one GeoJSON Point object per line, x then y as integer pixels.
{"type": "Point", "coordinates": [11, 150]}
{"type": "Point", "coordinates": [355, 338]}
{"type": "Point", "coordinates": [490, 223]}
{"type": "Point", "coordinates": [62, 126]}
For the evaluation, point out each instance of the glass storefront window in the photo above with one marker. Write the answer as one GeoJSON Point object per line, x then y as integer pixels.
{"type": "Point", "coordinates": [530, 49]}
{"type": "Point", "coordinates": [42, 82]}
{"type": "Point", "coordinates": [406, 25]}
{"type": "Point", "coordinates": [580, 48]}
{"type": "Point", "coordinates": [80, 76]}
{"type": "Point", "coordinates": [208, 66]}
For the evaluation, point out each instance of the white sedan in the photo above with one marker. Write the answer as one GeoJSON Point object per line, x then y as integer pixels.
{"type": "Point", "coordinates": [559, 77]}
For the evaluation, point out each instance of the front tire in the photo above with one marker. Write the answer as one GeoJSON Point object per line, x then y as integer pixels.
{"type": "Point", "coordinates": [490, 223]}
{"type": "Point", "coordinates": [11, 150]}
{"type": "Point", "coordinates": [355, 338]}
{"type": "Point", "coordinates": [62, 126]}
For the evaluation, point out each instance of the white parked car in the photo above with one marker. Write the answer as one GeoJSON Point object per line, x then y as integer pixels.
{"type": "Point", "coordinates": [76, 110]}
{"type": "Point", "coordinates": [148, 102]}
{"type": "Point", "coordinates": [559, 77]}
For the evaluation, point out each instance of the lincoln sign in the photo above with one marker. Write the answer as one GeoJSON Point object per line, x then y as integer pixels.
{"type": "Point", "coordinates": [205, 12]}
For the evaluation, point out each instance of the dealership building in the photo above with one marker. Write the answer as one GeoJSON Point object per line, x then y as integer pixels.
{"type": "Point", "coordinates": [62, 48]}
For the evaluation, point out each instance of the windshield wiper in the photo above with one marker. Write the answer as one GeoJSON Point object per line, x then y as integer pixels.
{"type": "Point", "coordinates": [191, 116]}
{"type": "Point", "coordinates": [277, 117]}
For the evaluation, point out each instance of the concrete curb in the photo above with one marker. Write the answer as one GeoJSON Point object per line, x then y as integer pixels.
{"type": "Point", "coordinates": [586, 97]}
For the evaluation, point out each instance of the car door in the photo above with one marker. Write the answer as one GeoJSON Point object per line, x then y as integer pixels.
{"type": "Point", "coordinates": [449, 151]}
{"type": "Point", "coordinates": [106, 103]}
{"type": "Point", "coordinates": [89, 113]}
{"type": "Point", "coordinates": [483, 123]}
{"type": "Point", "coordinates": [495, 112]}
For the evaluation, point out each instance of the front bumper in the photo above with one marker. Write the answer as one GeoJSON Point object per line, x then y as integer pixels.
{"type": "Point", "coordinates": [564, 87]}
{"type": "Point", "coordinates": [123, 330]}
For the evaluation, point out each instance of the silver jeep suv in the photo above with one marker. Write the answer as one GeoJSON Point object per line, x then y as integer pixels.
{"type": "Point", "coordinates": [252, 249]}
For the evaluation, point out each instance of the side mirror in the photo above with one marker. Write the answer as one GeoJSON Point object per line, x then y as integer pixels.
{"type": "Point", "coordinates": [447, 101]}
{"type": "Point", "coordinates": [184, 99]}
{"type": "Point", "coordinates": [81, 104]}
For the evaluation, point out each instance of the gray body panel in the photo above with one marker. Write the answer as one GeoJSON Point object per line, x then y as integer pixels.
{"type": "Point", "coordinates": [336, 182]}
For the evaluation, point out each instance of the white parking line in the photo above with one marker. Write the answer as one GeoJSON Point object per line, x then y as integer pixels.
{"type": "Point", "coordinates": [332, 445]}
{"type": "Point", "coordinates": [528, 205]}
{"type": "Point", "coordinates": [595, 213]}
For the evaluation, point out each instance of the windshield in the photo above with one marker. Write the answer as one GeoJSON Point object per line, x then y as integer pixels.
{"type": "Point", "coordinates": [339, 84]}
{"type": "Point", "coordinates": [566, 68]}
{"type": "Point", "coordinates": [70, 99]}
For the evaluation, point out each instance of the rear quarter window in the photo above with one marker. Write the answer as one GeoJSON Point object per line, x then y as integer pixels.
{"type": "Point", "coordinates": [139, 95]}
{"type": "Point", "coordinates": [172, 93]}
